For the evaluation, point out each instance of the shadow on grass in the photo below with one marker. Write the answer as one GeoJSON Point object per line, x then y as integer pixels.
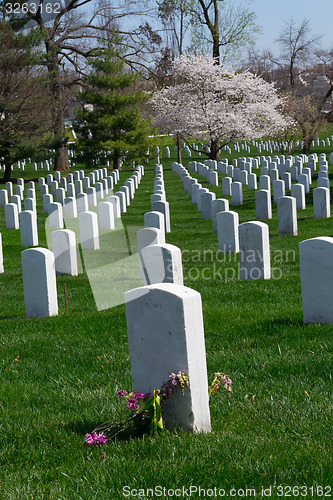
{"type": "Point", "coordinates": [284, 322]}
{"type": "Point", "coordinates": [113, 431]}
{"type": "Point", "coordinates": [81, 428]}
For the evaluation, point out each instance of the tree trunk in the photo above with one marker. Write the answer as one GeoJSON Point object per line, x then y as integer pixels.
{"type": "Point", "coordinates": [179, 149]}
{"type": "Point", "coordinates": [307, 145]}
{"type": "Point", "coordinates": [61, 150]}
{"type": "Point", "coordinates": [7, 173]}
{"type": "Point", "coordinates": [61, 157]}
{"type": "Point", "coordinates": [214, 150]}
{"type": "Point", "coordinates": [116, 160]}
{"type": "Point", "coordinates": [216, 50]}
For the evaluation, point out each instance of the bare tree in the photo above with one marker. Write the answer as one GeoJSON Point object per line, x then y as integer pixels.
{"type": "Point", "coordinates": [222, 26]}
{"type": "Point", "coordinates": [325, 69]}
{"type": "Point", "coordinates": [175, 20]}
{"type": "Point", "coordinates": [297, 50]}
{"type": "Point", "coordinates": [259, 63]}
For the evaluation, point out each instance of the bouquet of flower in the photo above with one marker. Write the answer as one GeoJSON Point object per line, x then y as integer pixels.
{"type": "Point", "coordinates": [145, 412]}
{"type": "Point", "coordinates": [146, 409]}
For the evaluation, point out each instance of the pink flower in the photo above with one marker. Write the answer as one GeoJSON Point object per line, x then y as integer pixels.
{"type": "Point", "coordinates": [89, 439]}
{"type": "Point", "coordinates": [97, 439]}
{"type": "Point", "coordinates": [121, 394]}
{"type": "Point", "coordinates": [132, 404]}
{"type": "Point", "coordinates": [138, 395]}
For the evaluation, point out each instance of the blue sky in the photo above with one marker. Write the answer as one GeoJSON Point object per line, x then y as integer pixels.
{"type": "Point", "coordinates": [272, 15]}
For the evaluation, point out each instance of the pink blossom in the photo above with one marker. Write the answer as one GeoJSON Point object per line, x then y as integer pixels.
{"type": "Point", "coordinates": [96, 439]}
{"type": "Point", "coordinates": [210, 103]}
{"type": "Point", "coordinates": [132, 404]}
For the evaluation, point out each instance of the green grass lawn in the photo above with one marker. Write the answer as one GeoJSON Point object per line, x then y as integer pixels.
{"type": "Point", "coordinates": [59, 375]}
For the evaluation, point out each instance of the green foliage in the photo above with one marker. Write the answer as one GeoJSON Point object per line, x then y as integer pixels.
{"type": "Point", "coordinates": [110, 124]}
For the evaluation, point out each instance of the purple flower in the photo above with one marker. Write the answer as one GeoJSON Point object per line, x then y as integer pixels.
{"type": "Point", "coordinates": [89, 439]}
{"type": "Point", "coordinates": [121, 394]}
{"type": "Point", "coordinates": [97, 439]}
{"type": "Point", "coordinates": [132, 404]}
{"type": "Point", "coordinates": [138, 395]}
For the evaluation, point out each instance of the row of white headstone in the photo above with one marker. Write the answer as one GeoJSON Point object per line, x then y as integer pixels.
{"type": "Point", "coordinates": [40, 265]}
{"type": "Point", "coordinates": [251, 240]}
{"type": "Point", "coordinates": [88, 223]}
{"type": "Point", "coordinates": [286, 210]}
{"type": "Point", "coordinates": [165, 325]}
{"type": "Point", "coordinates": [159, 261]}
{"type": "Point", "coordinates": [20, 165]}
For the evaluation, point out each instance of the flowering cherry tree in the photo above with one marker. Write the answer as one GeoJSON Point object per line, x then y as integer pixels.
{"type": "Point", "coordinates": [209, 103]}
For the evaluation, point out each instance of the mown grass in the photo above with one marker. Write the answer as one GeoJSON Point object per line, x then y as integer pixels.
{"type": "Point", "coordinates": [59, 375]}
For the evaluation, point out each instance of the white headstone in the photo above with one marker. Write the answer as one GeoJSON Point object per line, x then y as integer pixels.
{"type": "Point", "coordinates": [148, 236]}
{"type": "Point", "coordinates": [219, 205]}
{"type": "Point", "coordinates": [154, 219]}
{"type": "Point", "coordinates": [263, 204]}
{"type": "Point", "coordinates": [99, 190]}
{"type": "Point", "coordinates": [236, 193]}
{"type": "Point", "coordinates": [227, 232]}
{"type": "Point", "coordinates": [16, 198]}
{"type": "Point", "coordinates": [156, 197]}
{"type": "Point", "coordinates": [200, 191]}
{"type": "Point", "coordinates": [278, 189]}
{"type": "Point", "coordinates": [64, 250]}
{"type": "Point", "coordinates": [252, 181]}
{"type": "Point", "coordinates": [11, 216]}
{"type": "Point", "coordinates": [39, 282]}
{"type": "Point", "coordinates": [3, 197]}
{"type": "Point", "coordinates": [254, 254]}
{"type": "Point", "coordinates": [323, 182]}
{"type": "Point", "coordinates": [92, 199]}
{"type": "Point", "coordinates": [89, 236]}
{"type": "Point", "coordinates": [53, 187]}
{"type": "Point", "coordinates": [265, 183]}
{"type": "Point", "coordinates": [122, 201]}
{"type": "Point", "coordinates": [206, 205]}
{"type": "Point", "coordinates": [105, 215]}
{"type": "Point", "coordinates": [162, 264]}
{"type": "Point", "coordinates": [213, 178]}
{"type": "Point", "coordinates": [316, 268]}
{"type": "Point", "coordinates": [286, 177]}
{"type": "Point", "coordinates": [298, 192]}
{"type": "Point", "coordinates": [55, 218]}
{"type": "Point", "coordinates": [28, 228]}
{"type": "Point", "coordinates": [47, 199]}
{"type": "Point", "coordinates": [243, 177]}
{"type": "Point", "coordinates": [287, 215]}
{"type": "Point", "coordinates": [226, 186]}
{"type": "Point", "coordinates": [82, 202]}
{"type": "Point", "coordinates": [9, 188]}
{"type": "Point", "coordinates": [167, 318]}
{"type": "Point", "coordinates": [125, 189]}
{"type": "Point", "coordinates": [70, 208]}
{"type": "Point", "coordinates": [304, 179]}
{"type": "Point", "coordinates": [321, 203]}
{"type": "Point", "coordinates": [163, 207]}
{"type": "Point", "coordinates": [71, 190]}
{"type": "Point", "coordinates": [116, 206]}
{"type": "Point", "coordinates": [60, 195]}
